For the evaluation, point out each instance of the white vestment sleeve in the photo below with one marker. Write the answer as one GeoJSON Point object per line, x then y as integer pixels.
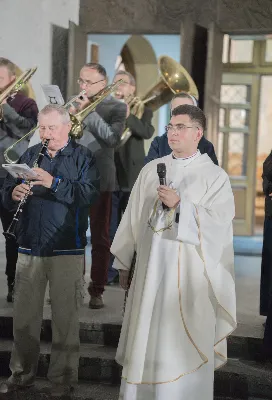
{"type": "Point", "coordinates": [215, 214]}
{"type": "Point", "coordinates": [188, 231]}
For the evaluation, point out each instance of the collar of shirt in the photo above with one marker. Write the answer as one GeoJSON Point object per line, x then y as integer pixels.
{"type": "Point", "coordinates": [185, 158]}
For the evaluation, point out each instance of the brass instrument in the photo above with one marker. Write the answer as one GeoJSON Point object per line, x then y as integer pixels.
{"type": "Point", "coordinates": [10, 233]}
{"type": "Point", "coordinates": [18, 84]}
{"type": "Point", "coordinates": [174, 79]}
{"type": "Point", "coordinates": [77, 129]}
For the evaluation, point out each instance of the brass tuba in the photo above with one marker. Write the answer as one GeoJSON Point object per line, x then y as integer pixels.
{"type": "Point", "coordinates": [18, 84]}
{"type": "Point", "coordinates": [77, 128]}
{"type": "Point", "coordinates": [174, 79]}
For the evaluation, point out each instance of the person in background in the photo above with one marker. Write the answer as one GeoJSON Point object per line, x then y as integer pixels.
{"type": "Point", "coordinates": [18, 115]}
{"type": "Point", "coordinates": [129, 158]}
{"type": "Point", "coordinates": [160, 147]}
{"type": "Point", "coordinates": [266, 268]}
{"type": "Point", "coordinates": [102, 133]}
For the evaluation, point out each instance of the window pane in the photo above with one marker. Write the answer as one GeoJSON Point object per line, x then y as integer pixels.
{"type": "Point", "coordinates": [236, 94]}
{"type": "Point", "coordinates": [236, 154]}
{"type": "Point", "coordinates": [222, 117]}
{"type": "Point", "coordinates": [225, 54]}
{"type": "Point", "coordinates": [241, 51]}
{"type": "Point", "coordinates": [238, 118]}
{"type": "Point", "coordinates": [268, 51]}
{"type": "Point", "coordinates": [220, 145]}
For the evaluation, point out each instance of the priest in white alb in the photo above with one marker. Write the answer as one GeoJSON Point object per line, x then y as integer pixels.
{"type": "Point", "coordinates": [181, 303]}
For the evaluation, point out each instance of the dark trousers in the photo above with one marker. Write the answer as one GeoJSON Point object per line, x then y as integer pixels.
{"type": "Point", "coordinates": [119, 204]}
{"type": "Point", "coordinates": [266, 269]}
{"type": "Point", "coordinates": [100, 214]}
{"type": "Point", "coordinates": [11, 245]}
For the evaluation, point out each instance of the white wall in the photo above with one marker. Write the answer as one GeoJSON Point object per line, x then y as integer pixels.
{"type": "Point", "coordinates": [110, 47]}
{"type": "Point", "coordinates": [25, 34]}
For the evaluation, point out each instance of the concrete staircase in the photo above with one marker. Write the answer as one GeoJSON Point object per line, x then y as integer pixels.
{"type": "Point", "coordinates": [99, 374]}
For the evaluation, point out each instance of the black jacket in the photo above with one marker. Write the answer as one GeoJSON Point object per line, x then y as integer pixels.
{"type": "Point", "coordinates": [267, 184]}
{"type": "Point", "coordinates": [129, 159]}
{"type": "Point", "coordinates": [160, 148]}
{"type": "Point", "coordinates": [56, 221]}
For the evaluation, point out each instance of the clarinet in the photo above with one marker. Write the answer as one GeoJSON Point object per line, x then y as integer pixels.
{"type": "Point", "coordinates": [10, 233]}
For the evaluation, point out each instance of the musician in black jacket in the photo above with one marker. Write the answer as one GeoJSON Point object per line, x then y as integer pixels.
{"type": "Point", "coordinates": [51, 235]}
{"type": "Point", "coordinates": [129, 158]}
{"type": "Point", "coordinates": [160, 148]}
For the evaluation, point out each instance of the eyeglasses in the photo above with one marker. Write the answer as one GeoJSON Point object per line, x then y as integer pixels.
{"type": "Point", "coordinates": [81, 81]}
{"type": "Point", "coordinates": [177, 128]}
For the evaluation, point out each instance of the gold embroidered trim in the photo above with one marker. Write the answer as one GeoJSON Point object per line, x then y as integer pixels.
{"type": "Point", "coordinates": [220, 355]}
{"type": "Point", "coordinates": [222, 365]}
{"type": "Point", "coordinates": [168, 214]}
{"type": "Point", "coordinates": [188, 334]}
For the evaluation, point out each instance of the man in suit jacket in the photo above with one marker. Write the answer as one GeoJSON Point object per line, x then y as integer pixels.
{"type": "Point", "coordinates": [129, 158]}
{"type": "Point", "coordinates": [102, 133]}
{"type": "Point", "coordinates": [159, 146]}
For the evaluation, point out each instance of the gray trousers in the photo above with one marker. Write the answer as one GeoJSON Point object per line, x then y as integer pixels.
{"type": "Point", "coordinates": [65, 275]}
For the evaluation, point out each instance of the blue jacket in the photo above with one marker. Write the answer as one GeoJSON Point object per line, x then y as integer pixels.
{"type": "Point", "coordinates": [160, 148]}
{"type": "Point", "coordinates": [53, 221]}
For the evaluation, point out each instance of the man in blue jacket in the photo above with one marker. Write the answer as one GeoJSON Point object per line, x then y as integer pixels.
{"type": "Point", "coordinates": [51, 236]}
{"type": "Point", "coordinates": [159, 146]}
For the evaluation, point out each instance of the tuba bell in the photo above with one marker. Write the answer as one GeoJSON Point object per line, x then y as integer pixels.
{"type": "Point", "coordinates": [174, 79]}
{"type": "Point", "coordinates": [77, 127]}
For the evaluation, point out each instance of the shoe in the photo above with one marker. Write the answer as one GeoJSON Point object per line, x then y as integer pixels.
{"type": "Point", "coordinates": [96, 302]}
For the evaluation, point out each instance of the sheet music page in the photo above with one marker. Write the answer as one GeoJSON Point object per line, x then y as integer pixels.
{"type": "Point", "coordinates": [22, 171]}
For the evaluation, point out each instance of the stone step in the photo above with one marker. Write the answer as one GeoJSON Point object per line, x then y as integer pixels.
{"type": "Point", "coordinates": [239, 379]}
{"type": "Point", "coordinates": [107, 334]}
{"type": "Point", "coordinates": [90, 332]}
{"type": "Point", "coordinates": [83, 391]}
{"type": "Point", "coordinates": [96, 362]}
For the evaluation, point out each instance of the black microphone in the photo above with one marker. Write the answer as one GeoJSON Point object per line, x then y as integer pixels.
{"type": "Point", "coordinates": [161, 171]}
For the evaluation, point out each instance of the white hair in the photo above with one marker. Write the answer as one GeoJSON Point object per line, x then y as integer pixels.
{"type": "Point", "coordinates": [59, 109]}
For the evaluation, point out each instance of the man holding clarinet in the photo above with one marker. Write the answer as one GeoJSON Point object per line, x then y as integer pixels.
{"type": "Point", "coordinates": [51, 233]}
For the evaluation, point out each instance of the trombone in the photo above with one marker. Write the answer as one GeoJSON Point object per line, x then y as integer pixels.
{"type": "Point", "coordinates": [77, 119]}
{"type": "Point", "coordinates": [16, 86]}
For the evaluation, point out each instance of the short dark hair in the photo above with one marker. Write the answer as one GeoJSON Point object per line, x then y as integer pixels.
{"type": "Point", "coordinates": [131, 77]}
{"type": "Point", "coordinates": [98, 67]}
{"type": "Point", "coordinates": [195, 114]}
{"type": "Point", "coordinates": [4, 62]}
{"type": "Point", "coordinates": [184, 95]}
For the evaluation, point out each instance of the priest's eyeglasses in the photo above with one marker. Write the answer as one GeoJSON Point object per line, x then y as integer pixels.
{"type": "Point", "coordinates": [177, 128]}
